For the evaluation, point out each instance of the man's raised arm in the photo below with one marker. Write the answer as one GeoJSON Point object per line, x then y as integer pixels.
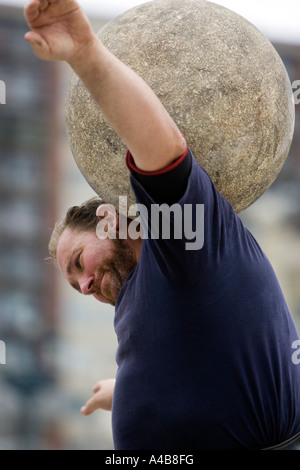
{"type": "Point", "coordinates": [61, 31]}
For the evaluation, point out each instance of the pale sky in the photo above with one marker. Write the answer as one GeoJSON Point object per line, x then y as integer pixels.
{"type": "Point", "coordinates": [277, 19]}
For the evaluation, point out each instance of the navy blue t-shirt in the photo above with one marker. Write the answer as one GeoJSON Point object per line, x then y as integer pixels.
{"type": "Point", "coordinates": [205, 338]}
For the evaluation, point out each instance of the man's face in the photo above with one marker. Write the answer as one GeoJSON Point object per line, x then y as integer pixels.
{"type": "Point", "coordinates": [93, 266]}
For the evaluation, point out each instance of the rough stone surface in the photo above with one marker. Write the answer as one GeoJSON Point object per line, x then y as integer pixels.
{"type": "Point", "coordinates": [221, 80]}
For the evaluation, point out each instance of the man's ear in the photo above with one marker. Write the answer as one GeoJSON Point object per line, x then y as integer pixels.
{"type": "Point", "coordinates": [108, 221]}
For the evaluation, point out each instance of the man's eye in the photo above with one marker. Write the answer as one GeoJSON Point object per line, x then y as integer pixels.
{"type": "Point", "coordinates": [77, 262]}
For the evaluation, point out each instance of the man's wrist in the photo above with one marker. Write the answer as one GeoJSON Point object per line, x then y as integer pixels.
{"type": "Point", "coordinates": [85, 55]}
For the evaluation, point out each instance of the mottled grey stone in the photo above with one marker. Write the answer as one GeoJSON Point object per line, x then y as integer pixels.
{"type": "Point", "coordinates": [221, 80]}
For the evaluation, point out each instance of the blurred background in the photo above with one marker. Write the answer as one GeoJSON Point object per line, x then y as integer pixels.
{"type": "Point", "coordinates": [59, 343]}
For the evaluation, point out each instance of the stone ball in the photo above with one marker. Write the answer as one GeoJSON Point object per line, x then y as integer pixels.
{"type": "Point", "coordinates": [220, 79]}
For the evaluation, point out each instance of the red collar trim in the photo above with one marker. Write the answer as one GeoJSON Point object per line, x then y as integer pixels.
{"type": "Point", "coordinates": [133, 169]}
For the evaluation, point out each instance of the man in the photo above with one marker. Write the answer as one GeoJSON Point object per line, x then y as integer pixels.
{"type": "Point", "coordinates": [206, 343]}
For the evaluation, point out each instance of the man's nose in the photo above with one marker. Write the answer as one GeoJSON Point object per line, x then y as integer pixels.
{"type": "Point", "coordinates": [87, 285]}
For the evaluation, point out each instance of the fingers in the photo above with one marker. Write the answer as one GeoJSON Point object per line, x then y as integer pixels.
{"type": "Point", "coordinates": [90, 406]}
{"type": "Point", "coordinates": [31, 11]}
{"type": "Point", "coordinates": [97, 388]}
{"type": "Point", "coordinates": [34, 39]}
{"type": "Point", "coordinates": [37, 43]}
{"type": "Point", "coordinates": [34, 8]}
{"type": "Point", "coordinates": [43, 4]}
{"type": "Point", "coordinates": [102, 398]}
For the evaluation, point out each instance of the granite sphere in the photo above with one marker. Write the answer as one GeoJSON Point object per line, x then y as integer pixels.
{"type": "Point", "coordinates": [220, 79]}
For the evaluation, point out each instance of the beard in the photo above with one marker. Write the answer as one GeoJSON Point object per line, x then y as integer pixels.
{"type": "Point", "coordinates": [118, 268]}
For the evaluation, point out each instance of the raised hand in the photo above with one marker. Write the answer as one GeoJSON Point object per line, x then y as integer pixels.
{"type": "Point", "coordinates": [59, 29]}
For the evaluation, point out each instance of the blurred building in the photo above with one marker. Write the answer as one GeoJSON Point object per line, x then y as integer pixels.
{"type": "Point", "coordinates": [58, 343]}
{"type": "Point", "coordinates": [28, 298]}
{"type": "Point", "coordinates": [55, 343]}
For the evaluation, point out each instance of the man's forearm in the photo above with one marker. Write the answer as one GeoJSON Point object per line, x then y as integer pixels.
{"type": "Point", "coordinates": [61, 31]}
{"type": "Point", "coordinates": [130, 107]}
